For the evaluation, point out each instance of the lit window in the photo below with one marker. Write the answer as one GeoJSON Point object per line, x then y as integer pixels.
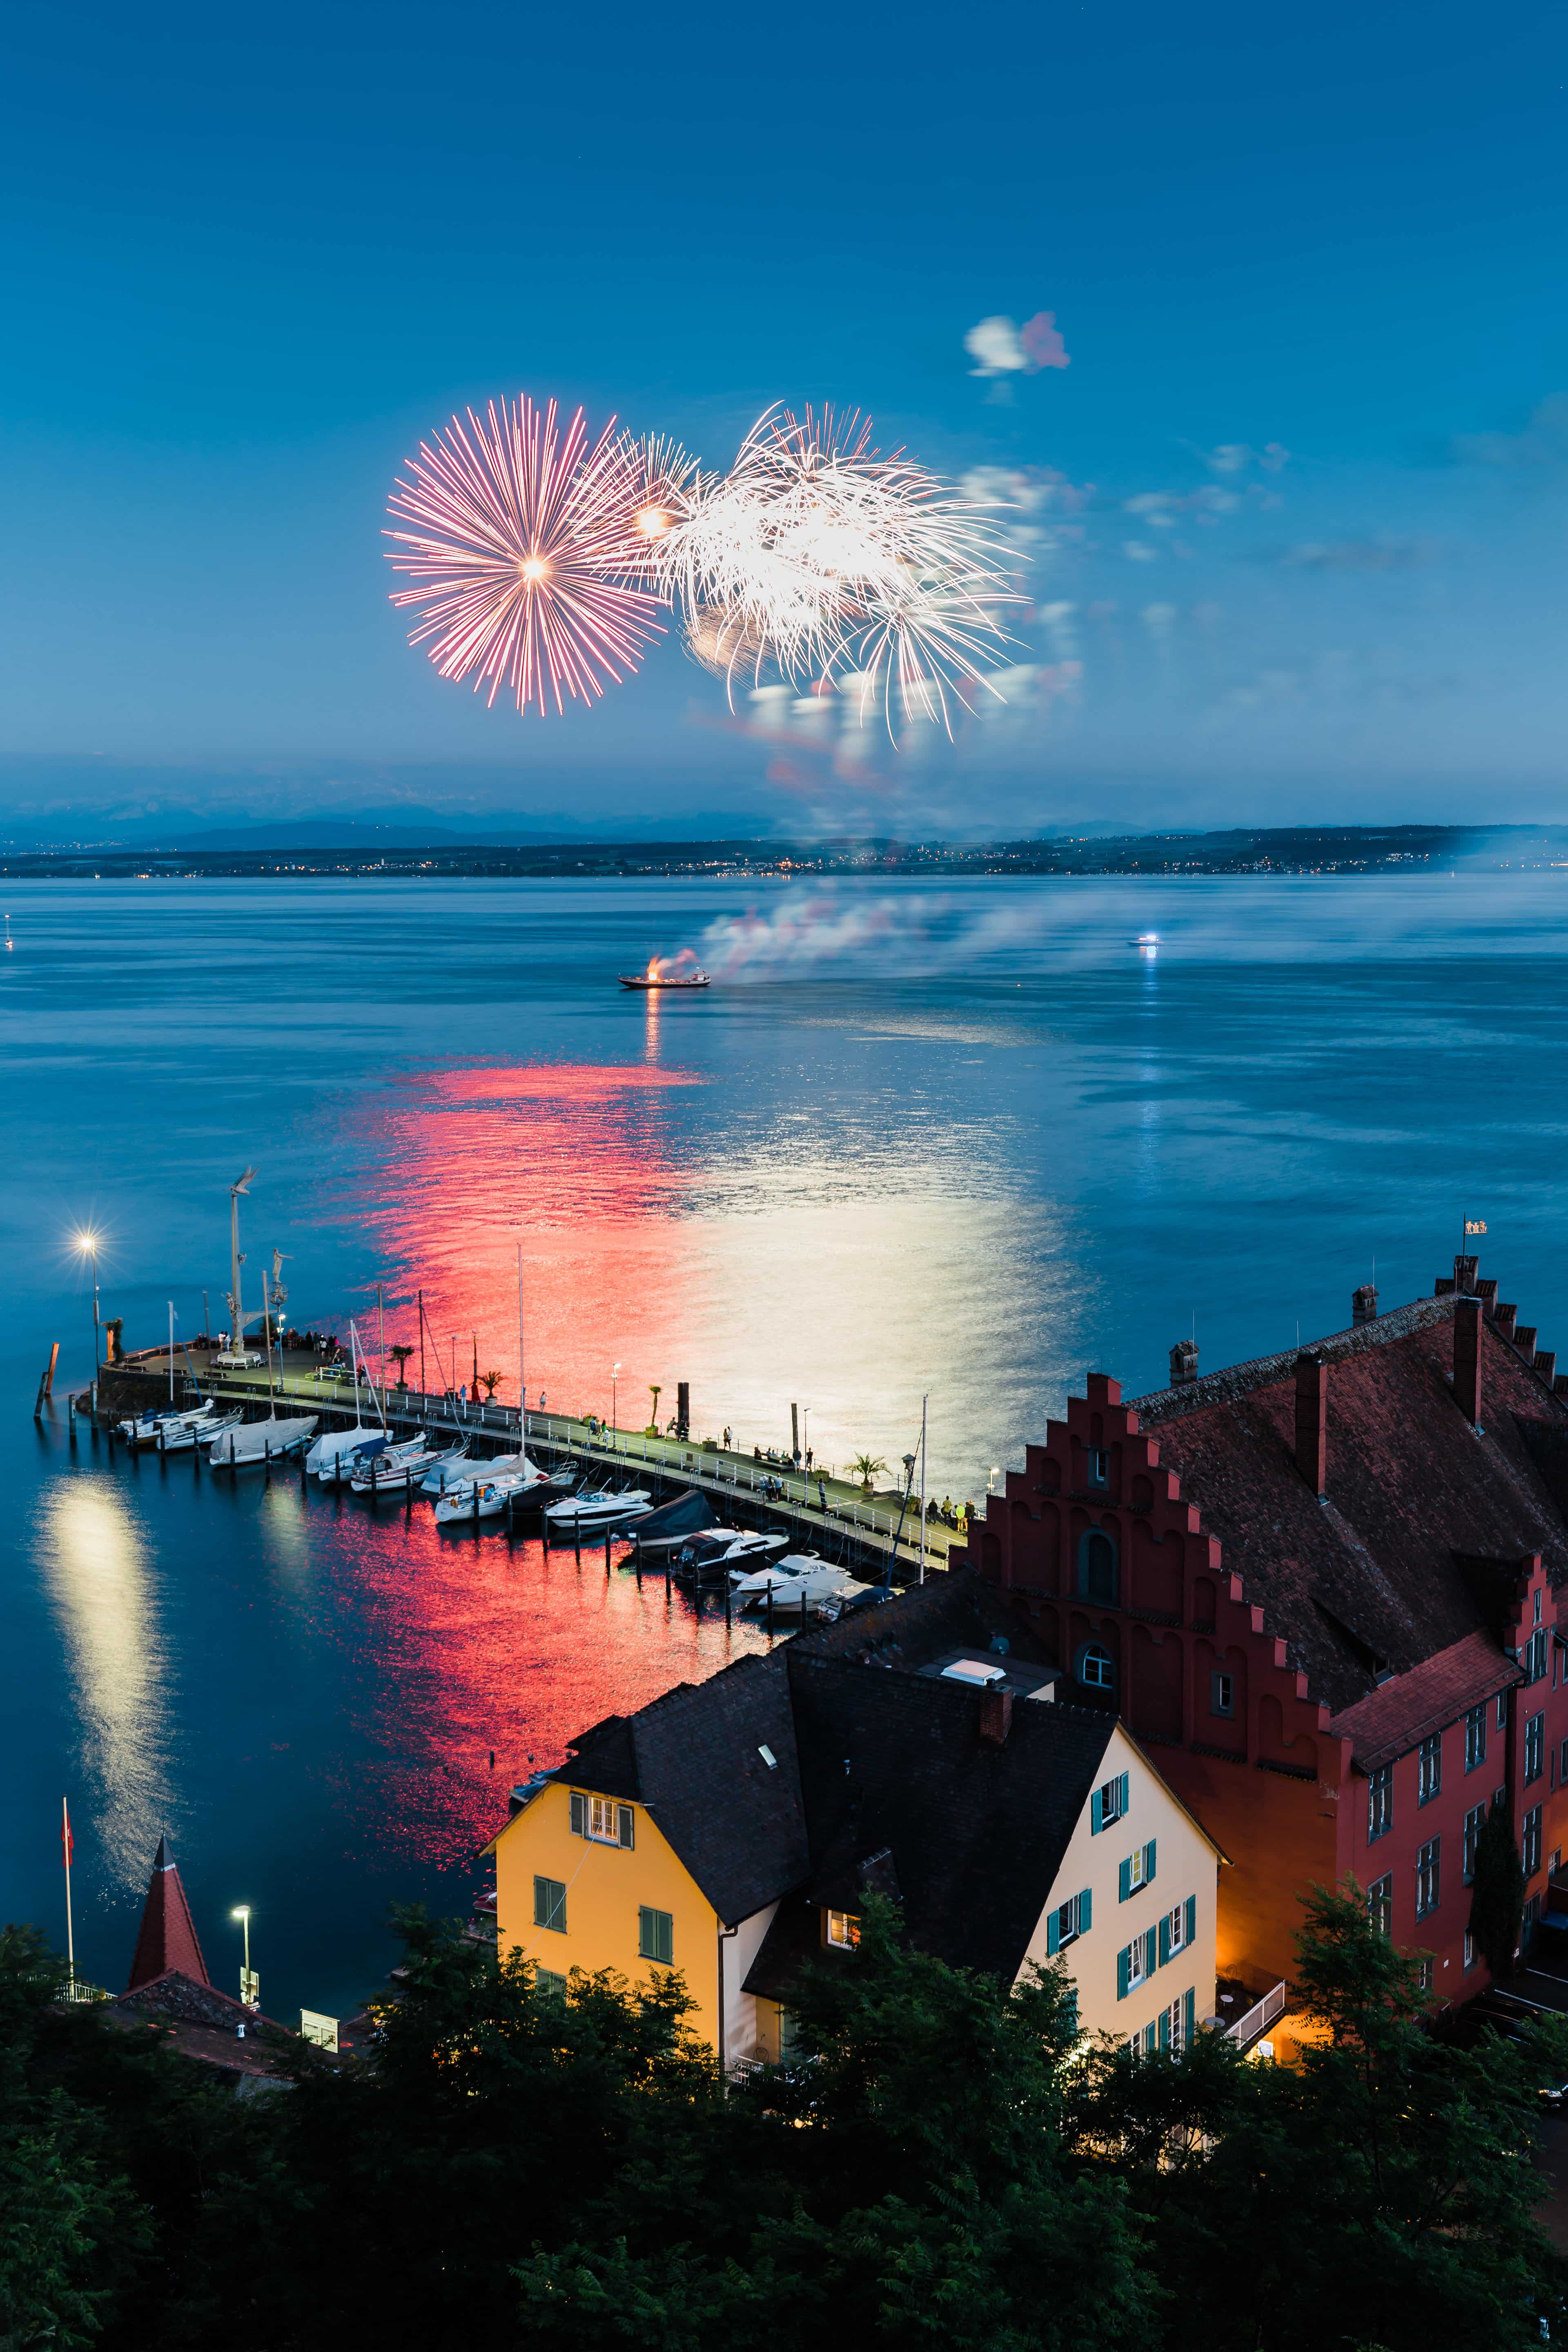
{"type": "Point", "coordinates": [1222, 1694]}
{"type": "Point", "coordinates": [601, 1819]}
{"type": "Point", "coordinates": [656, 1935]}
{"type": "Point", "coordinates": [1429, 1770]}
{"type": "Point", "coordinates": [549, 1903]}
{"type": "Point", "coordinates": [1137, 1868]}
{"type": "Point", "coordinates": [1429, 1883]}
{"type": "Point", "coordinates": [843, 1930]}
{"type": "Point", "coordinates": [1096, 1668]}
{"type": "Point", "coordinates": [1380, 1906]}
{"type": "Point", "coordinates": [1379, 1803]}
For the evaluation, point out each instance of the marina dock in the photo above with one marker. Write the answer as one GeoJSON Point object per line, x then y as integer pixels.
{"type": "Point", "coordinates": [817, 1511]}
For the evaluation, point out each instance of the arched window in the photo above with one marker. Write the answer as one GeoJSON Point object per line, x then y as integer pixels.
{"type": "Point", "coordinates": [1096, 1667]}
{"type": "Point", "coordinates": [1097, 1567]}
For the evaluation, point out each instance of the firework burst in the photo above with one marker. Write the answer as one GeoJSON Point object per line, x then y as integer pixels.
{"type": "Point", "coordinates": [831, 561]}
{"type": "Point", "coordinates": [526, 548]}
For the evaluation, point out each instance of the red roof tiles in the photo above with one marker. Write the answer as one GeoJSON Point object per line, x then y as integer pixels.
{"type": "Point", "coordinates": [1396, 1717]}
{"type": "Point", "coordinates": [168, 1935]}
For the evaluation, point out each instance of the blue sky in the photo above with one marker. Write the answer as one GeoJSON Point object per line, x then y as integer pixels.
{"type": "Point", "coordinates": [1296, 502]}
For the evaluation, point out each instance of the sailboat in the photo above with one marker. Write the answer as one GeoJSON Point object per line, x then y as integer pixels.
{"type": "Point", "coordinates": [333, 1446]}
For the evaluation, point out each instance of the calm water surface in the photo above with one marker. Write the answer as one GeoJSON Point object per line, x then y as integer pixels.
{"type": "Point", "coordinates": [963, 1141]}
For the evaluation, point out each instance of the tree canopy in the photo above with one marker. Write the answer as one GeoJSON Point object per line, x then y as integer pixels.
{"type": "Point", "coordinates": [938, 2163]}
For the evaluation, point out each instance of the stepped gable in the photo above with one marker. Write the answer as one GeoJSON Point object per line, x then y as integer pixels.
{"type": "Point", "coordinates": [1416, 1543]}
{"type": "Point", "coordinates": [693, 1758]}
{"type": "Point", "coordinates": [911, 1785]}
{"type": "Point", "coordinates": [167, 1938]}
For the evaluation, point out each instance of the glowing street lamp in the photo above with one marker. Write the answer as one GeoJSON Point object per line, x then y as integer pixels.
{"type": "Point", "coordinates": [250, 1990]}
{"type": "Point", "coordinates": [85, 1243]}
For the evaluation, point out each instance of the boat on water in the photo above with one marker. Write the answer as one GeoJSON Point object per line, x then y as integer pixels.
{"type": "Point", "coordinates": [183, 1437]}
{"type": "Point", "coordinates": [597, 1509]}
{"type": "Point", "coordinates": [513, 1471]}
{"type": "Point", "coordinates": [487, 1499]}
{"type": "Point", "coordinates": [725, 1552]}
{"type": "Point", "coordinates": [799, 1577]}
{"type": "Point", "coordinates": [161, 1421]}
{"type": "Point", "coordinates": [395, 1470]}
{"type": "Point", "coordinates": [646, 980]}
{"type": "Point", "coordinates": [272, 1440]}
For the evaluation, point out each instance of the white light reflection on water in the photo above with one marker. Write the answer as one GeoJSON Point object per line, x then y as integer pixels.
{"type": "Point", "coordinates": [106, 1595]}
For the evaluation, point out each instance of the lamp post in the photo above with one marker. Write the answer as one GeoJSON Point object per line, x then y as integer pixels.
{"type": "Point", "coordinates": [87, 1246]}
{"type": "Point", "coordinates": [614, 1407]}
{"type": "Point", "coordinates": [249, 1989]}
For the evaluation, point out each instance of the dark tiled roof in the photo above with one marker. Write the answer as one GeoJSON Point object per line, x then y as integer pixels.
{"type": "Point", "coordinates": [1396, 1717]}
{"type": "Point", "coordinates": [167, 1937]}
{"type": "Point", "coordinates": [1383, 1568]}
{"type": "Point", "coordinates": [693, 1758]}
{"type": "Point", "coordinates": [976, 1832]}
{"type": "Point", "coordinates": [203, 2023]}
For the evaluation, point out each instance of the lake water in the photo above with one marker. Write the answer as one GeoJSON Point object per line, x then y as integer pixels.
{"type": "Point", "coordinates": [961, 1141]}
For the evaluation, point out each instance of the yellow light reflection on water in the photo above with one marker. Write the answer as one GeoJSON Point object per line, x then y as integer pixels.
{"type": "Point", "coordinates": [104, 1591]}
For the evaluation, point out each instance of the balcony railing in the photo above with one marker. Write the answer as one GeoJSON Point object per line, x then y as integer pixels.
{"type": "Point", "coordinates": [1258, 2018]}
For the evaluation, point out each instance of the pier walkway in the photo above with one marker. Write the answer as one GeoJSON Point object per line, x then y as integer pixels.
{"type": "Point", "coordinates": [833, 1515]}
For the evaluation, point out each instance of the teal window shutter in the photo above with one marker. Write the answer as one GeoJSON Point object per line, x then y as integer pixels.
{"type": "Point", "coordinates": [1096, 1815]}
{"type": "Point", "coordinates": [1122, 1792]}
{"type": "Point", "coordinates": [1085, 1911]}
{"type": "Point", "coordinates": [1164, 1939]}
{"type": "Point", "coordinates": [1124, 1880]}
{"type": "Point", "coordinates": [1187, 2003]}
{"type": "Point", "coordinates": [1124, 1966]}
{"type": "Point", "coordinates": [579, 1814]}
{"type": "Point", "coordinates": [1053, 1934]}
{"type": "Point", "coordinates": [624, 1825]}
{"type": "Point", "coordinates": [1151, 1953]}
{"type": "Point", "coordinates": [1165, 2029]}
{"type": "Point", "coordinates": [1149, 1863]}
{"type": "Point", "coordinates": [1192, 1918]}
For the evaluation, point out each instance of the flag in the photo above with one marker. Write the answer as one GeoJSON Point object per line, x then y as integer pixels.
{"type": "Point", "coordinates": [66, 1841]}
{"type": "Point", "coordinates": [1475, 1224]}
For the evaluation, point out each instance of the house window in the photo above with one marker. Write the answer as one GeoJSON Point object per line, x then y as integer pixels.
{"type": "Point", "coordinates": [1173, 2027]}
{"type": "Point", "coordinates": [1222, 1694]}
{"type": "Point", "coordinates": [1097, 1567]}
{"type": "Point", "coordinates": [1379, 1803]}
{"type": "Point", "coordinates": [1109, 1802]}
{"type": "Point", "coordinates": [1473, 1820]}
{"type": "Point", "coordinates": [1099, 1466]}
{"type": "Point", "coordinates": [1535, 1657]}
{"type": "Point", "coordinates": [549, 1903]}
{"type": "Point", "coordinates": [1380, 1906]}
{"type": "Point", "coordinates": [1502, 1710]}
{"type": "Point", "coordinates": [1428, 1888]}
{"type": "Point", "coordinates": [1469, 1951]}
{"type": "Point", "coordinates": [1138, 1870]}
{"type": "Point", "coordinates": [1429, 1770]}
{"type": "Point", "coordinates": [843, 1930]}
{"type": "Point", "coordinates": [600, 1819]}
{"type": "Point", "coordinates": [1534, 1747]}
{"type": "Point", "coordinates": [1529, 1845]}
{"type": "Point", "coordinates": [1476, 1736]}
{"type": "Point", "coordinates": [549, 1983]}
{"type": "Point", "coordinates": [1068, 1922]}
{"type": "Point", "coordinates": [1176, 1928]}
{"type": "Point", "coordinates": [1136, 1962]}
{"type": "Point", "coordinates": [656, 1935]}
{"type": "Point", "coordinates": [1096, 1667]}
{"type": "Point", "coordinates": [1535, 1615]}
{"type": "Point", "coordinates": [1423, 1981]}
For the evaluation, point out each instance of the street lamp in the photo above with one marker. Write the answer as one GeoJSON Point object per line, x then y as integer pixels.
{"type": "Point", "coordinates": [86, 1246]}
{"type": "Point", "coordinates": [615, 1409]}
{"type": "Point", "coordinates": [247, 1987]}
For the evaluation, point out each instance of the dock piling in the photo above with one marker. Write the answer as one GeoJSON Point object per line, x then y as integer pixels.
{"type": "Point", "coordinates": [769, 1601]}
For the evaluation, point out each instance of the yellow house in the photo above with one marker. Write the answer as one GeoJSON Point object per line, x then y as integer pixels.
{"type": "Point", "coordinates": [732, 1830]}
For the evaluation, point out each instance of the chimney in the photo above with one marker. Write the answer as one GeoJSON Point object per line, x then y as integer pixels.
{"type": "Point", "coordinates": [995, 1717]}
{"type": "Point", "coordinates": [1184, 1363]}
{"type": "Point", "coordinates": [1364, 1304]}
{"type": "Point", "coordinates": [1505, 1317]}
{"type": "Point", "coordinates": [1466, 1359]}
{"type": "Point", "coordinates": [1465, 1276]}
{"type": "Point", "coordinates": [1487, 1292]}
{"type": "Point", "coordinates": [1313, 1421]}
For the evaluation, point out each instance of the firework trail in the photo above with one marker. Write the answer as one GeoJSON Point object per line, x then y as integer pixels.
{"type": "Point", "coordinates": [837, 564]}
{"type": "Point", "coordinates": [528, 553]}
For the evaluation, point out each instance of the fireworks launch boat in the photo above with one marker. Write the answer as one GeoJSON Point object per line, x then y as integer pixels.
{"type": "Point", "coordinates": [646, 980]}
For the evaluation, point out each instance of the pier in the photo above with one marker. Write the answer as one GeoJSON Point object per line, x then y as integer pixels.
{"type": "Point", "coordinates": [829, 1515]}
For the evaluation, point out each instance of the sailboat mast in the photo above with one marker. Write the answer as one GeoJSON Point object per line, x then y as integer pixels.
{"type": "Point", "coordinates": [171, 1351]}
{"type": "Point", "coordinates": [924, 1402]}
{"type": "Point", "coordinates": [522, 1375]}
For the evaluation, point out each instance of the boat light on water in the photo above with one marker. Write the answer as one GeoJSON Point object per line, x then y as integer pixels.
{"type": "Point", "coordinates": [1147, 943]}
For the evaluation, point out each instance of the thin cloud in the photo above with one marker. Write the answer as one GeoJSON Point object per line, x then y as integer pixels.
{"type": "Point", "coordinates": [1356, 555]}
{"type": "Point", "coordinates": [1239, 456]}
{"type": "Point", "coordinates": [1542, 443]}
{"type": "Point", "coordinates": [1000, 347]}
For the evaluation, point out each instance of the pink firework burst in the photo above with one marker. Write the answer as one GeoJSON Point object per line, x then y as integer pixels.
{"type": "Point", "coordinates": [526, 554]}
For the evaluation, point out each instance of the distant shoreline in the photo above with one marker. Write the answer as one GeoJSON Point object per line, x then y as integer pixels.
{"type": "Point", "coordinates": [1283, 850]}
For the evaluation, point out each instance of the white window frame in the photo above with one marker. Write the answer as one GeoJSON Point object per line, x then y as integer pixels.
{"type": "Point", "coordinates": [841, 1930]}
{"type": "Point", "coordinates": [1136, 1877]}
{"type": "Point", "coordinates": [1175, 2013]}
{"type": "Point", "coordinates": [1137, 1953]}
{"type": "Point", "coordinates": [1068, 1929]}
{"type": "Point", "coordinates": [601, 1819]}
{"type": "Point", "coordinates": [1111, 1803]}
{"type": "Point", "coordinates": [1178, 1929]}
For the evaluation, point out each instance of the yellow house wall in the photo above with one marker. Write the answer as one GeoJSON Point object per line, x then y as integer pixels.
{"type": "Point", "coordinates": [605, 1885]}
{"type": "Point", "coordinates": [1184, 1863]}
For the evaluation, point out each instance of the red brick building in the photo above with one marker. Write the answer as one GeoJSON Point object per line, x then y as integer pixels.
{"type": "Point", "coordinates": [1321, 1588]}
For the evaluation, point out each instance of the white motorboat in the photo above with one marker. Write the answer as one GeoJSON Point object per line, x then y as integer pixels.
{"type": "Point", "coordinates": [356, 1461]}
{"type": "Point", "coordinates": [272, 1440]}
{"type": "Point", "coordinates": [799, 1576]}
{"type": "Point", "coordinates": [479, 1498]}
{"type": "Point", "coordinates": [184, 1437]}
{"type": "Point", "coordinates": [394, 1469]}
{"type": "Point", "coordinates": [597, 1509]}
{"type": "Point", "coordinates": [721, 1552]}
{"type": "Point", "coordinates": [159, 1420]}
{"type": "Point", "coordinates": [460, 1469]}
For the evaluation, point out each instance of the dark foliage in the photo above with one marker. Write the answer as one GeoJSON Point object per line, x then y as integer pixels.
{"type": "Point", "coordinates": [1497, 1901]}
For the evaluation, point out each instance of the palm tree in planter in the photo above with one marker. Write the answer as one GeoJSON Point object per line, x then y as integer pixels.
{"type": "Point", "coordinates": [492, 1382]}
{"type": "Point", "coordinates": [401, 1356]}
{"type": "Point", "coordinates": [866, 1467]}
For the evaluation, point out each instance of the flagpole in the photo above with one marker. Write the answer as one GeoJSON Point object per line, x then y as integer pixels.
{"type": "Point", "coordinates": [71, 1938]}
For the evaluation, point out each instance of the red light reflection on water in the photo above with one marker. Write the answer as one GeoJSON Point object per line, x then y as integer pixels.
{"type": "Point", "coordinates": [457, 1644]}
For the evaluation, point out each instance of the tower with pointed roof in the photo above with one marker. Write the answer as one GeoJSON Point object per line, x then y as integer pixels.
{"type": "Point", "coordinates": [168, 1935]}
